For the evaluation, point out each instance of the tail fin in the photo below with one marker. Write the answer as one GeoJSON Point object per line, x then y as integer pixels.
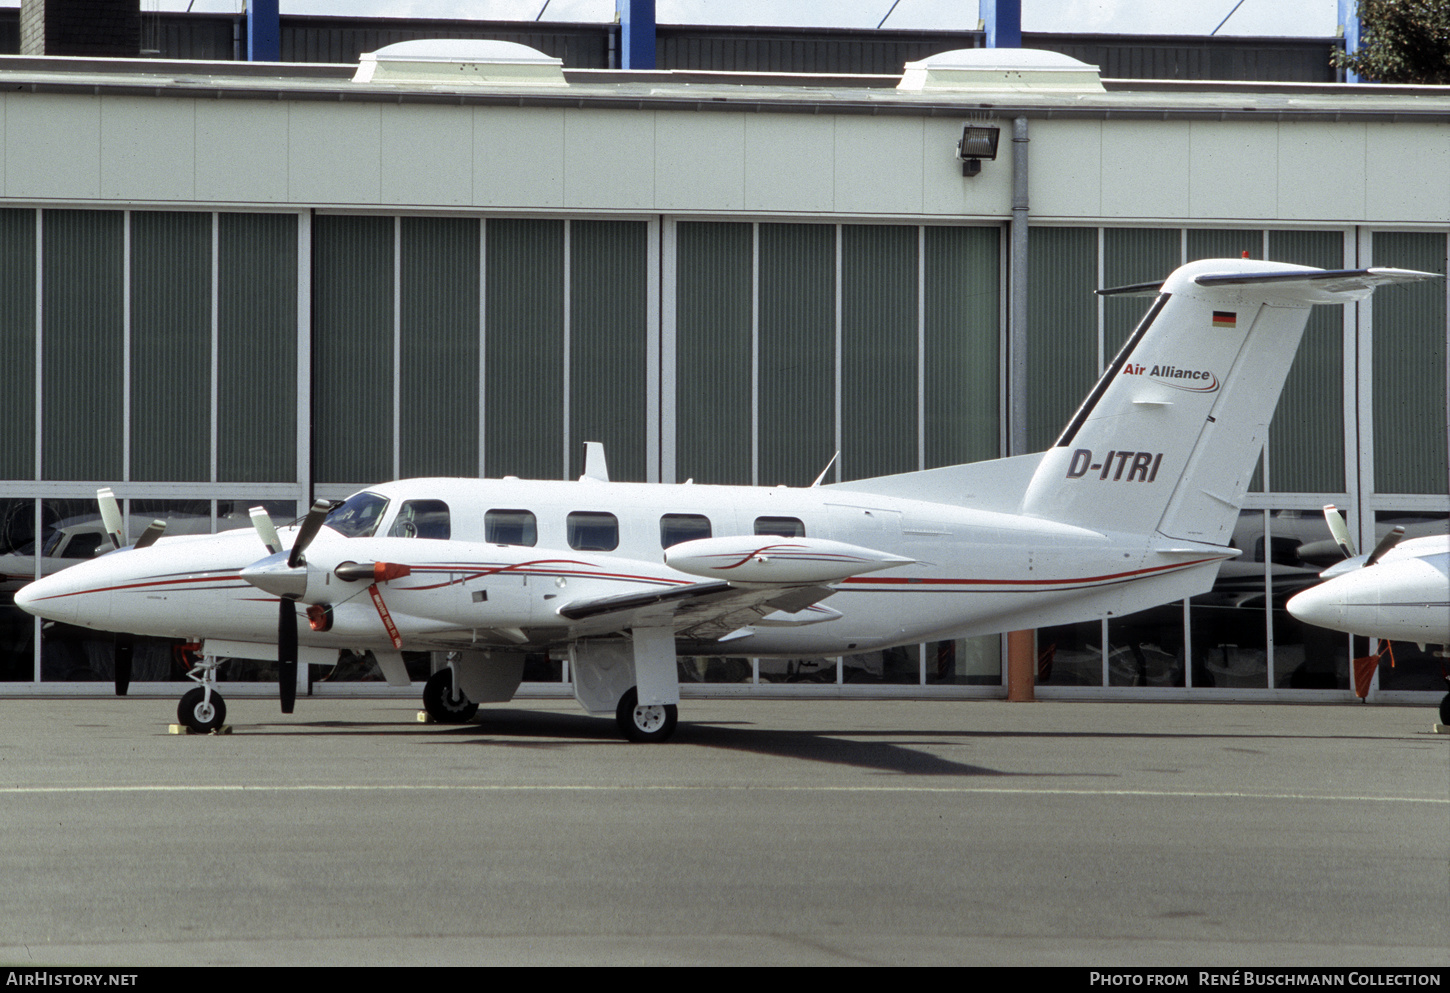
{"type": "Point", "coordinates": [1168, 438]}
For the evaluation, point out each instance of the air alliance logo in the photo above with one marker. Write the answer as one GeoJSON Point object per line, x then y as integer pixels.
{"type": "Point", "coordinates": [1190, 380]}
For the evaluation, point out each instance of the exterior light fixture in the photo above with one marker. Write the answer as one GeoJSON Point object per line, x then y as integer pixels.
{"type": "Point", "coordinates": [978, 142]}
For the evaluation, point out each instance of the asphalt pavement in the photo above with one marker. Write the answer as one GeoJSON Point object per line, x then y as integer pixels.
{"type": "Point", "coordinates": [767, 832]}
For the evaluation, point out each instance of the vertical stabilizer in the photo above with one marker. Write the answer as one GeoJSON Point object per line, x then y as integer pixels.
{"type": "Point", "coordinates": [1169, 437]}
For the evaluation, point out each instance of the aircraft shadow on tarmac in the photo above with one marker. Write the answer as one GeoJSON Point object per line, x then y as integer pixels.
{"type": "Point", "coordinates": [534, 729]}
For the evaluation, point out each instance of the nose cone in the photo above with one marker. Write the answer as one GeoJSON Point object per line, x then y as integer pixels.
{"type": "Point", "coordinates": [1322, 606]}
{"type": "Point", "coordinates": [64, 597]}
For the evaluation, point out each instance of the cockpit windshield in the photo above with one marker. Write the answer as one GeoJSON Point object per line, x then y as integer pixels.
{"type": "Point", "coordinates": [358, 517]}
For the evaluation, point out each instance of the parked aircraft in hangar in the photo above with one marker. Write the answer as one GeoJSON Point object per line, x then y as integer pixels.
{"type": "Point", "coordinates": [1133, 506]}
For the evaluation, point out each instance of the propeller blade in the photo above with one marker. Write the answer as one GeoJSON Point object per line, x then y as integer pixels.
{"type": "Point", "coordinates": [310, 526]}
{"type": "Point", "coordinates": [1386, 543]}
{"type": "Point", "coordinates": [287, 654]}
{"type": "Point", "coordinates": [266, 530]}
{"type": "Point", "coordinates": [152, 532]}
{"type": "Point", "coordinates": [1339, 529]}
{"type": "Point", "coordinates": [111, 516]}
{"type": "Point", "coordinates": [125, 648]}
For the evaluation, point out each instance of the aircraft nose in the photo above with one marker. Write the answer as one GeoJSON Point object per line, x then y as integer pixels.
{"type": "Point", "coordinates": [1322, 606]}
{"type": "Point", "coordinates": [47, 598]}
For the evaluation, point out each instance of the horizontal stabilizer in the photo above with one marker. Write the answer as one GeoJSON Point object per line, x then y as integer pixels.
{"type": "Point", "coordinates": [1321, 286]}
{"type": "Point", "coordinates": [1316, 286]}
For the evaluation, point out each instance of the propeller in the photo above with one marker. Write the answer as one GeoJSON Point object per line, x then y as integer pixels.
{"type": "Point", "coordinates": [111, 516]}
{"type": "Point", "coordinates": [1385, 544]}
{"type": "Point", "coordinates": [115, 524]}
{"type": "Point", "coordinates": [285, 576]}
{"type": "Point", "coordinates": [1339, 529]}
{"type": "Point", "coordinates": [1342, 538]}
{"type": "Point", "coordinates": [125, 647]}
{"type": "Point", "coordinates": [266, 530]}
{"type": "Point", "coordinates": [148, 537]}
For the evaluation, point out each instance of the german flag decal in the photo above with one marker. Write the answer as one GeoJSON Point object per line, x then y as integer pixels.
{"type": "Point", "coordinates": [1225, 319]}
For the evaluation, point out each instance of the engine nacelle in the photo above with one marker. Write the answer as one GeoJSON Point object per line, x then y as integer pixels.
{"type": "Point", "coordinates": [774, 559]}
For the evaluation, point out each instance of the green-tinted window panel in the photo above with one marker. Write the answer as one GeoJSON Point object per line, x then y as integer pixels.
{"type": "Point", "coordinates": [1306, 436]}
{"type": "Point", "coordinates": [962, 339]}
{"type": "Point", "coordinates": [352, 349]}
{"type": "Point", "coordinates": [797, 351]}
{"type": "Point", "coordinates": [1409, 368]}
{"type": "Point", "coordinates": [438, 373]}
{"type": "Point", "coordinates": [523, 392]}
{"type": "Point", "coordinates": [17, 343]}
{"type": "Point", "coordinates": [257, 335]}
{"type": "Point", "coordinates": [1132, 256]}
{"type": "Point", "coordinates": [1225, 243]}
{"type": "Point", "coordinates": [170, 345]}
{"type": "Point", "coordinates": [609, 344]}
{"type": "Point", "coordinates": [713, 390]}
{"type": "Point", "coordinates": [82, 333]}
{"type": "Point", "coordinates": [879, 348]}
{"type": "Point", "coordinates": [1062, 328]}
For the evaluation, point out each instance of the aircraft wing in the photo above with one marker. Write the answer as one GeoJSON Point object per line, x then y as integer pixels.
{"type": "Point", "coordinates": [699, 610]}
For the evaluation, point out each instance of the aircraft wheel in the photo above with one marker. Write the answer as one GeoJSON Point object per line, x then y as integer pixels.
{"type": "Point", "coordinates": [199, 714]}
{"type": "Point", "coordinates": [652, 723]}
{"type": "Point", "coordinates": [439, 702]}
{"type": "Point", "coordinates": [1445, 709]}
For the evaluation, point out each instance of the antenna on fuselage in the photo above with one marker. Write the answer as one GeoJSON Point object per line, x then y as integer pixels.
{"type": "Point", "coordinates": [826, 469]}
{"type": "Point", "coordinates": [595, 467]}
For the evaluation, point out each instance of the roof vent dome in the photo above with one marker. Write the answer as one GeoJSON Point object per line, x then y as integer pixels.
{"type": "Point", "coordinates": [451, 61]}
{"type": "Point", "coordinates": [1001, 69]}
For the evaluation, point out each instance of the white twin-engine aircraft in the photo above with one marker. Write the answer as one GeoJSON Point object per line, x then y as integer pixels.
{"type": "Point", "coordinates": [1133, 506]}
{"type": "Point", "coordinates": [1400, 591]}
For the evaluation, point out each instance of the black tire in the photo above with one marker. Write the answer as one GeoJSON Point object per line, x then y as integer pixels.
{"type": "Point", "coordinates": [644, 724]}
{"type": "Point", "coordinates": [438, 702]}
{"type": "Point", "coordinates": [196, 713]}
{"type": "Point", "coordinates": [1445, 710]}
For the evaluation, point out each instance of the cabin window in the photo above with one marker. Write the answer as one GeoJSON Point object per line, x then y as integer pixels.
{"type": "Point", "coordinates": [510, 527]}
{"type": "Point", "coordinates": [358, 516]}
{"type": "Point", "coordinates": [785, 527]}
{"type": "Point", "coordinates": [422, 519]}
{"type": "Point", "coordinates": [593, 531]}
{"type": "Point", "coordinates": [675, 528]}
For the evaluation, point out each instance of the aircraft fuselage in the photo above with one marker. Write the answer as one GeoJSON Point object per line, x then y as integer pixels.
{"type": "Point", "coordinates": [969, 572]}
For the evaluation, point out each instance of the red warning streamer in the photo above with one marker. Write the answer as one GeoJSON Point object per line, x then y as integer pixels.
{"type": "Point", "coordinates": [387, 617]}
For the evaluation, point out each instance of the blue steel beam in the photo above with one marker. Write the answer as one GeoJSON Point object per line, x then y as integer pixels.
{"type": "Point", "coordinates": [637, 33]}
{"type": "Point", "coordinates": [1003, 22]}
{"type": "Point", "coordinates": [1349, 27]}
{"type": "Point", "coordinates": [264, 33]}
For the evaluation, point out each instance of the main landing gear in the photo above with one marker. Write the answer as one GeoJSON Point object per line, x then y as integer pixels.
{"type": "Point", "coordinates": [445, 703]}
{"type": "Point", "coordinates": [644, 724]}
{"type": "Point", "coordinates": [202, 708]}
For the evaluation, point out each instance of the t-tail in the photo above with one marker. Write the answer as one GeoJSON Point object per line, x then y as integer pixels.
{"type": "Point", "coordinates": [1168, 439]}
